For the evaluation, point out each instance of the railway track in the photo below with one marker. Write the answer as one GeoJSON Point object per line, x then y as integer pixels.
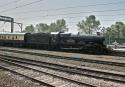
{"type": "Point", "coordinates": [121, 64]}
{"type": "Point", "coordinates": [28, 77]}
{"type": "Point", "coordinates": [42, 77]}
{"type": "Point", "coordinates": [99, 75]}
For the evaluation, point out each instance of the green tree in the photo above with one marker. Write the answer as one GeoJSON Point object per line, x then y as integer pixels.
{"type": "Point", "coordinates": [116, 32]}
{"type": "Point", "coordinates": [29, 29]}
{"type": "Point", "coordinates": [89, 25]}
{"type": "Point", "coordinates": [60, 25]}
{"type": "Point", "coordinates": [110, 33]}
{"type": "Point", "coordinates": [42, 27]}
{"type": "Point", "coordinates": [119, 29]}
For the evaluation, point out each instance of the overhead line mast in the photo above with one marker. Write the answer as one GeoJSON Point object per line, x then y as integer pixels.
{"type": "Point", "coordinates": [11, 20]}
{"type": "Point", "coordinates": [8, 19]}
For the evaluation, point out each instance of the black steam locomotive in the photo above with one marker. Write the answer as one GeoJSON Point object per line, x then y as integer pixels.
{"type": "Point", "coordinates": [58, 41]}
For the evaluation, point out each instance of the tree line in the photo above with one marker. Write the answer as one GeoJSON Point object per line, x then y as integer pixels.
{"type": "Point", "coordinates": [59, 25]}
{"type": "Point", "coordinates": [90, 25]}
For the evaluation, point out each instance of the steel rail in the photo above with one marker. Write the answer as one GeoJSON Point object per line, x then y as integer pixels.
{"type": "Point", "coordinates": [69, 58]}
{"type": "Point", "coordinates": [70, 69]}
{"type": "Point", "coordinates": [30, 78]}
{"type": "Point", "coordinates": [64, 78]}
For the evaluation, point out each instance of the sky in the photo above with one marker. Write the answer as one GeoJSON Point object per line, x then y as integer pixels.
{"type": "Point", "coordinates": [47, 11]}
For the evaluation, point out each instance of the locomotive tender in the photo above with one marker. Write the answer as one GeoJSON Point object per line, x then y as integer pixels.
{"type": "Point", "coordinates": [58, 41]}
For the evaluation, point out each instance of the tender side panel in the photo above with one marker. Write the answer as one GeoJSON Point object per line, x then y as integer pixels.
{"type": "Point", "coordinates": [38, 40]}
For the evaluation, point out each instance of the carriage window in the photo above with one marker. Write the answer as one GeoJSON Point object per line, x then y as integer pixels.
{"type": "Point", "coordinates": [8, 37]}
{"type": "Point", "coordinates": [12, 37]}
{"type": "Point", "coordinates": [4, 37]}
{"type": "Point", "coordinates": [16, 37]}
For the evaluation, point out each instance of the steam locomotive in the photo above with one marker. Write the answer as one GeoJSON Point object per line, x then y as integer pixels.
{"type": "Point", "coordinates": [60, 41]}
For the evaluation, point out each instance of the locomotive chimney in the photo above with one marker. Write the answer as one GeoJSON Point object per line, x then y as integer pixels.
{"type": "Point", "coordinates": [98, 34]}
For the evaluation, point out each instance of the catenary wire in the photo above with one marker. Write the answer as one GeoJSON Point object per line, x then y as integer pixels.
{"type": "Point", "coordinates": [27, 4]}
{"type": "Point", "coordinates": [103, 4]}
{"type": "Point", "coordinates": [12, 2]}
{"type": "Point", "coordinates": [99, 11]}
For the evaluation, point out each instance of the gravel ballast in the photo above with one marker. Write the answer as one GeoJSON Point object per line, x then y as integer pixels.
{"type": "Point", "coordinates": [61, 61]}
{"type": "Point", "coordinates": [8, 79]}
